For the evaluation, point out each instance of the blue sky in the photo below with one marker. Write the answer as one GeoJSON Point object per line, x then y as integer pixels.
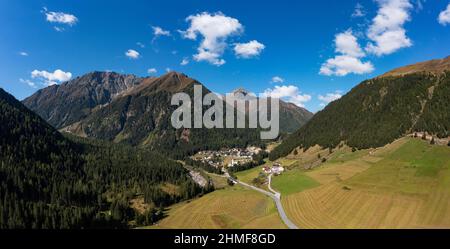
{"type": "Point", "coordinates": [320, 49]}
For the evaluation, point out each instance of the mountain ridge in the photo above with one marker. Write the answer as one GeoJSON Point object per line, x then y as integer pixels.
{"type": "Point", "coordinates": [292, 117]}
{"type": "Point", "coordinates": [436, 66]}
{"type": "Point", "coordinates": [378, 111]}
{"type": "Point", "coordinates": [80, 95]}
{"type": "Point", "coordinates": [139, 115]}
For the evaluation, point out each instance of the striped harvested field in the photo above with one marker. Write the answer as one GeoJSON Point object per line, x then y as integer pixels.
{"type": "Point", "coordinates": [404, 185]}
{"type": "Point", "coordinates": [331, 206]}
{"type": "Point", "coordinates": [228, 208]}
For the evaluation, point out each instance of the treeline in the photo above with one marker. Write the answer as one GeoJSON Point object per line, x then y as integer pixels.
{"type": "Point", "coordinates": [376, 112]}
{"type": "Point", "coordinates": [50, 181]}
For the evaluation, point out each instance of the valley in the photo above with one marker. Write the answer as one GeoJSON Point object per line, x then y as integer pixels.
{"type": "Point", "coordinates": [99, 151]}
{"type": "Point", "coordinates": [270, 123]}
{"type": "Point", "coordinates": [404, 184]}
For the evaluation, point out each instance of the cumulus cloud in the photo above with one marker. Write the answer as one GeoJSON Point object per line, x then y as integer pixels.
{"type": "Point", "coordinates": [184, 62]}
{"type": "Point", "coordinates": [349, 58]}
{"type": "Point", "coordinates": [152, 71]}
{"type": "Point", "coordinates": [444, 16]}
{"type": "Point", "coordinates": [60, 17]}
{"type": "Point", "coordinates": [215, 29]}
{"type": "Point", "coordinates": [329, 97]}
{"type": "Point", "coordinates": [386, 31]}
{"type": "Point", "coordinates": [249, 49]}
{"type": "Point", "coordinates": [168, 69]}
{"type": "Point", "coordinates": [277, 79]}
{"type": "Point", "coordinates": [342, 65]}
{"type": "Point", "coordinates": [49, 78]}
{"type": "Point", "coordinates": [132, 54]}
{"type": "Point", "coordinates": [347, 43]}
{"type": "Point", "coordinates": [359, 11]}
{"type": "Point", "coordinates": [23, 53]}
{"type": "Point", "coordinates": [288, 93]}
{"type": "Point", "coordinates": [158, 31]}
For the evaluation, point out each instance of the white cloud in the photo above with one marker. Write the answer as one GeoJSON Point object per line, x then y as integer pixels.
{"type": "Point", "coordinates": [211, 57]}
{"type": "Point", "coordinates": [330, 97]}
{"type": "Point", "coordinates": [386, 31]}
{"type": "Point", "coordinates": [359, 11]}
{"type": "Point", "coordinates": [288, 93]}
{"type": "Point", "coordinates": [28, 82]}
{"type": "Point", "coordinates": [184, 62]}
{"type": "Point", "coordinates": [60, 17]}
{"type": "Point", "coordinates": [349, 60]}
{"type": "Point", "coordinates": [277, 79]}
{"type": "Point", "coordinates": [249, 49]}
{"type": "Point", "coordinates": [342, 65]}
{"type": "Point", "coordinates": [215, 29]}
{"type": "Point", "coordinates": [168, 69]}
{"type": "Point", "coordinates": [444, 16]}
{"type": "Point", "coordinates": [23, 53]}
{"type": "Point", "coordinates": [152, 71]}
{"type": "Point", "coordinates": [132, 54]}
{"type": "Point", "coordinates": [158, 31]}
{"type": "Point", "coordinates": [347, 43]}
{"type": "Point", "coordinates": [49, 78]}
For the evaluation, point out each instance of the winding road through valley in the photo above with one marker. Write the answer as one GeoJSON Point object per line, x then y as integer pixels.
{"type": "Point", "coordinates": [276, 196]}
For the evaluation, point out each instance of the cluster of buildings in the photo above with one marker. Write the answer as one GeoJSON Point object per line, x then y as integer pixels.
{"type": "Point", "coordinates": [276, 169]}
{"type": "Point", "coordinates": [238, 156]}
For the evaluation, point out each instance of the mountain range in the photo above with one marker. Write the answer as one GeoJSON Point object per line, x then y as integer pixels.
{"type": "Point", "coordinates": [86, 176]}
{"type": "Point", "coordinates": [137, 111]}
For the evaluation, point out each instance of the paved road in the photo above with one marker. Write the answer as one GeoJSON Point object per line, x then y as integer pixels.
{"type": "Point", "coordinates": [270, 187]}
{"type": "Point", "coordinates": [276, 197]}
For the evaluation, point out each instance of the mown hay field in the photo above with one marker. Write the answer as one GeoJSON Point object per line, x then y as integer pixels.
{"type": "Point", "coordinates": [403, 185]}
{"type": "Point", "coordinates": [232, 207]}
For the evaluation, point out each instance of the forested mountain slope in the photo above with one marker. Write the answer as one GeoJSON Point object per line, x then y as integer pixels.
{"type": "Point", "coordinates": [49, 181]}
{"type": "Point", "coordinates": [140, 116]}
{"type": "Point", "coordinates": [379, 110]}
